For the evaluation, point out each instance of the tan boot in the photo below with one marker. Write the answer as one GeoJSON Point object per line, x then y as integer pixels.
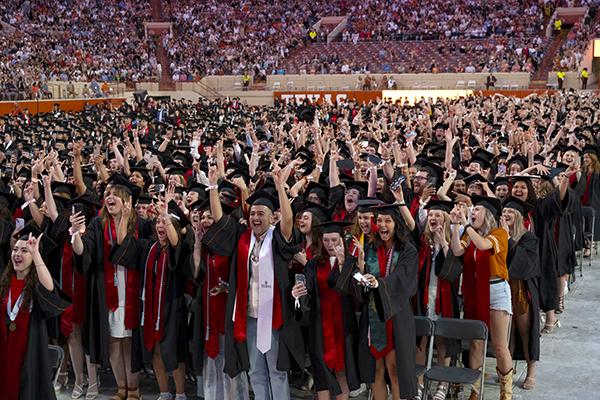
{"type": "Point", "coordinates": [506, 383]}
{"type": "Point", "coordinates": [475, 389]}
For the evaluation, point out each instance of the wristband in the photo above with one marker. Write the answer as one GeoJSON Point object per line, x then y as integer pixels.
{"type": "Point", "coordinates": [26, 204]}
{"type": "Point", "coordinates": [320, 168]}
{"type": "Point", "coordinates": [212, 187]}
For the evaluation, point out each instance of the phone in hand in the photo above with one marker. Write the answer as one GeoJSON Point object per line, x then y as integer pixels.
{"type": "Point", "coordinates": [300, 278]}
{"type": "Point", "coordinates": [374, 159]}
{"type": "Point", "coordinates": [397, 183]}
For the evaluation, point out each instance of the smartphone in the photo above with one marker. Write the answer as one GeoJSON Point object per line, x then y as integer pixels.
{"type": "Point", "coordinates": [410, 134]}
{"type": "Point", "coordinates": [432, 181]}
{"type": "Point", "coordinates": [160, 187]}
{"type": "Point", "coordinates": [374, 159]}
{"type": "Point", "coordinates": [300, 278]}
{"type": "Point", "coordinates": [395, 185]}
{"type": "Point", "coordinates": [19, 224]}
{"type": "Point", "coordinates": [502, 169]}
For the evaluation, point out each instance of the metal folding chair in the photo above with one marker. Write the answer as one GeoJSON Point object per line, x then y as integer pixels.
{"type": "Point", "coordinates": [56, 355]}
{"type": "Point", "coordinates": [424, 327]}
{"type": "Point", "coordinates": [458, 329]}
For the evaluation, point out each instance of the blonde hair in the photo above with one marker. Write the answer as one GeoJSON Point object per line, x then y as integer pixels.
{"type": "Point", "coordinates": [518, 229]}
{"type": "Point", "coordinates": [489, 223]}
{"type": "Point", "coordinates": [429, 235]}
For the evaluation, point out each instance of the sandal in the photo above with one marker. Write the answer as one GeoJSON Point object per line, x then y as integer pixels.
{"type": "Point", "coordinates": [561, 305]}
{"type": "Point", "coordinates": [549, 328]}
{"type": "Point", "coordinates": [441, 392]}
{"type": "Point", "coordinates": [136, 396]}
{"type": "Point", "coordinates": [529, 383]}
{"type": "Point", "coordinates": [77, 391]}
{"type": "Point", "coordinates": [61, 381]}
{"type": "Point", "coordinates": [92, 393]}
{"type": "Point", "coordinates": [120, 395]}
{"type": "Point", "coordinates": [420, 390]}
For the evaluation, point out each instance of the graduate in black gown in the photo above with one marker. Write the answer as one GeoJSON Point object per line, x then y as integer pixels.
{"type": "Point", "coordinates": [164, 309]}
{"type": "Point", "coordinates": [109, 253]}
{"type": "Point", "coordinates": [28, 296]}
{"type": "Point", "coordinates": [542, 221]}
{"type": "Point", "coordinates": [262, 339]}
{"type": "Point", "coordinates": [333, 331]}
{"type": "Point", "coordinates": [387, 329]}
{"type": "Point", "coordinates": [523, 271]}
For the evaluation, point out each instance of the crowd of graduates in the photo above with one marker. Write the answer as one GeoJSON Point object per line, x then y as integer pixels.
{"type": "Point", "coordinates": [240, 243]}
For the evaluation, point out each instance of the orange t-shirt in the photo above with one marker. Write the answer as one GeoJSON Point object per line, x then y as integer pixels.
{"type": "Point", "coordinates": [499, 251]}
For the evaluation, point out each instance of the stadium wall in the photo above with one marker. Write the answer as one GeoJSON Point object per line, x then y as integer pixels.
{"type": "Point", "coordinates": [44, 106]}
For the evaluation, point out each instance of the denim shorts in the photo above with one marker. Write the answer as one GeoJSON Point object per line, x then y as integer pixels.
{"type": "Point", "coordinates": [500, 299]}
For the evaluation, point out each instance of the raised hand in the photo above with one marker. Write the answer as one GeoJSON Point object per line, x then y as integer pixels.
{"type": "Point", "coordinates": [33, 244]}
{"type": "Point", "coordinates": [77, 223]}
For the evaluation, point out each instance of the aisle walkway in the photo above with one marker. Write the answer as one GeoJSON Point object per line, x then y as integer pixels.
{"type": "Point", "coordinates": [569, 369]}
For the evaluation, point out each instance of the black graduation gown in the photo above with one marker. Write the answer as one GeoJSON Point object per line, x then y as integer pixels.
{"type": "Point", "coordinates": [547, 211]}
{"type": "Point", "coordinates": [567, 231]}
{"type": "Point", "coordinates": [58, 231]}
{"type": "Point", "coordinates": [96, 331]}
{"type": "Point", "coordinates": [222, 238]}
{"type": "Point", "coordinates": [523, 264]}
{"type": "Point", "coordinates": [392, 300]}
{"type": "Point", "coordinates": [174, 346]}
{"type": "Point", "coordinates": [594, 198]}
{"type": "Point", "coordinates": [6, 230]}
{"type": "Point", "coordinates": [36, 380]}
{"type": "Point", "coordinates": [324, 378]}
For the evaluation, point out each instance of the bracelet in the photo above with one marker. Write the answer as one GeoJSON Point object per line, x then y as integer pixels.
{"type": "Point", "coordinates": [26, 204]}
{"type": "Point", "coordinates": [319, 167]}
{"type": "Point", "coordinates": [212, 187]}
{"type": "Point", "coordinates": [403, 204]}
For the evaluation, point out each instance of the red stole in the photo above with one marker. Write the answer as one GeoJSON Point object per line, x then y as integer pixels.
{"type": "Point", "coordinates": [154, 295]}
{"type": "Point", "coordinates": [476, 284]}
{"type": "Point", "coordinates": [389, 328]}
{"type": "Point", "coordinates": [214, 306]}
{"type": "Point", "coordinates": [13, 344]}
{"type": "Point", "coordinates": [585, 198]}
{"type": "Point", "coordinates": [340, 215]}
{"type": "Point", "coordinates": [443, 299]}
{"type": "Point", "coordinates": [132, 278]}
{"type": "Point", "coordinates": [414, 206]}
{"type": "Point", "coordinates": [73, 284]}
{"type": "Point", "coordinates": [241, 293]}
{"type": "Point", "coordinates": [331, 318]}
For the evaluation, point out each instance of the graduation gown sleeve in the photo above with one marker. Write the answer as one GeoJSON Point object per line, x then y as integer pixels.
{"type": "Point", "coordinates": [222, 237]}
{"type": "Point", "coordinates": [127, 253]}
{"type": "Point", "coordinates": [523, 257]}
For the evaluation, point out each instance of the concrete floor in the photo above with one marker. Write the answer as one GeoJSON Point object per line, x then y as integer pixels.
{"type": "Point", "coordinates": [570, 356]}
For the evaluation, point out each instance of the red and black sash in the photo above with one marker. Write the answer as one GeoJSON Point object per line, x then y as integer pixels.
{"type": "Point", "coordinates": [132, 279]}
{"type": "Point", "coordinates": [382, 259]}
{"type": "Point", "coordinates": [154, 295]}
{"type": "Point", "coordinates": [331, 319]}
{"type": "Point", "coordinates": [214, 306]}
{"type": "Point", "coordinates": [443, 299]}
{"type": "Point", "coordinates": [241, 295]}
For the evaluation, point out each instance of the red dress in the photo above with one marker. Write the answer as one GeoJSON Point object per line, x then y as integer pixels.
{"type": "Point", "coordinates": [13, 344]}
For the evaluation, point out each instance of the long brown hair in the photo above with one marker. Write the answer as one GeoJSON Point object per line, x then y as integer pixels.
{"type": "Point", "coordinates": [30, 281]}
{"type": "Point", "coordinates": [595, 166]}
{"type": "Point", "coordinates": [123, 195]}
